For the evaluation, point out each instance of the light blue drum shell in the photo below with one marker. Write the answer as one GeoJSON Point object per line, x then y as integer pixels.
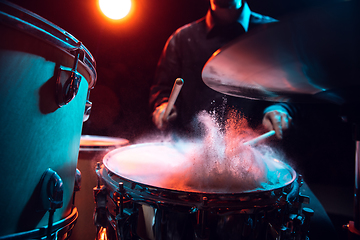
{"type": "Point", "coordinates": [36, 133]}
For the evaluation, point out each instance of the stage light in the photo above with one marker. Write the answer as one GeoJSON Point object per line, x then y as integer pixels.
{"type": "Point", "coordinates": [115, 9]}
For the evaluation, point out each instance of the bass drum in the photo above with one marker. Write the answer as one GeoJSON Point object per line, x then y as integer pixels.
{"type": "Point", "coordinates": [149, 200]}
{"type": "Point", "coordinates": [92, 150]}
{"type": "Point", "coordinates": [46, 75]}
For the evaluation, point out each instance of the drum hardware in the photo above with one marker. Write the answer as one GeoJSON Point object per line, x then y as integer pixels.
{"type": "Point", "coordinates": [101, 203]}
{"type": "Point", "coordinates": [60, 230]}
{"type": "Point", "coordinates": [77, 185]}
{"type": "Point", "coordinates": [123, 223]}
{"type": "Point", "coordinates": [294, 218]}
{"type": "Point", "coordinates": [88, 106]}
{"type": "Point", "coordinates": [308, 213]}
{"type": "Point", "coordinates": [125, 217]}
{"type": "Point", "coordinates": [51, 195]}
{"type": "Point", "coordinates": [101, 214]}
{"type": "Point", "coordinates": [101, 218]}
{"type": "Point", "coordinates": [67, 89]}
{"type": "Point", "coordinates": [202, 231]}
{"type": "Point", "coordinates": [120, 218]}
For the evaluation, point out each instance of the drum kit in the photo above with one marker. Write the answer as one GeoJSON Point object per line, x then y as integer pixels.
{"type": "Point", "coordinates": [47, 75]}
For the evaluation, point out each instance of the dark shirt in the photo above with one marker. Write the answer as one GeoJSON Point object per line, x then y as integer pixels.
{"type": "Point", "coordinates": [185, 54]}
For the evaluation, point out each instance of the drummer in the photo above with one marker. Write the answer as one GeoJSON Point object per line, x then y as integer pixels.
{"type": "Point", "coordinates": [185, 54]}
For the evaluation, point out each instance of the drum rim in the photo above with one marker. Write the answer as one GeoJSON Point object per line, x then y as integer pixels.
{"type": "Point", "coordinates": [151, 195]}
{"type": "Point", "coordinates": [113, 142]}
{"type": "Point", "coordinates": [39, 233]}
{"type": "Point", "coordinates": [124, 148]}
{"type": "Point", "coordinates": [25, 21]}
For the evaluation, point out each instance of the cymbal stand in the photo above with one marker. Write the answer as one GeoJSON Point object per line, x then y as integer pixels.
{"type": "Point", "coordinates": [353, 227]}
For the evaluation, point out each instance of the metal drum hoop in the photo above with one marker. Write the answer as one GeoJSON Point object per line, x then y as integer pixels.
{"type": "Point", "coordinates": [61, 227]}
{"type": "Point", "coordinates": [36, 26]}
{"type": "Point", "coordinates": [221, 203]}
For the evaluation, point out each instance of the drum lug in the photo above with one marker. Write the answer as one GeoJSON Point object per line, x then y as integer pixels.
{"type": "Point", "coordinates": [67, 87]}
{"type": "Point", "coordinates": [308, 213]}
{"type": "Point", "coordinates": [88, 107]}
{"type": "Point", "coordinates": [118, 198]}
{"type": "Point", "coordinates": [299, 223]}
{"type": "Point", "coordinates": [51, 194]}
{"type": "Point", "coordinates": [300, 180]}
{"type": "Point", "coordinates": [125, 217]}
{"type": "Point", "coordinates": [77, 184]}
{"type": "Point", "coordinates": [51, 190]}
{"type": "Point", "coordinates": [126, 224]}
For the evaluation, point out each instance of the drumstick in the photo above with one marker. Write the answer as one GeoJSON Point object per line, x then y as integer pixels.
{"type": "Point", "coordinates": [260, 138]}
{"type": "Point", "coordinates": [173, 96]}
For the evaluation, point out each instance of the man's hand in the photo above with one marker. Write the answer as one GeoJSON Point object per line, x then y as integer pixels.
{"type": "Point", "coordinates": [278, 119]}
{"type": "Point", "coordinates": [158, 116]}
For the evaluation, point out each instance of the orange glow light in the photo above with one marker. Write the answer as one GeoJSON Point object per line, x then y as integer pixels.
{"type": "Point", "coordinates": [115, 9]}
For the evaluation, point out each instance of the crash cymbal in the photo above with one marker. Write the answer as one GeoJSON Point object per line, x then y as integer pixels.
{"type": "Point", "coordinates": [306, 54]}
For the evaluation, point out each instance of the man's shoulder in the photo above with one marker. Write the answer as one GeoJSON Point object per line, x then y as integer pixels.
{"type": "Point", "coordinates": [257, 18]}
{"type": "Point", "coordinates": [193, 26]}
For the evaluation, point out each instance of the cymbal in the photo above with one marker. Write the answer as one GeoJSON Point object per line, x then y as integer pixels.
{"type": "Point", "coordinates": [306, 54]}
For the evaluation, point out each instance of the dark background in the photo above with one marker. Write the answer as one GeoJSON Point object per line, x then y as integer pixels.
{"type": "Point", "coordinates": [127, 51]}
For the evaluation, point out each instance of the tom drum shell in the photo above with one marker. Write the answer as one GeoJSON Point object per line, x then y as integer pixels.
{"type": "Point", "coordinates": [36, 132]}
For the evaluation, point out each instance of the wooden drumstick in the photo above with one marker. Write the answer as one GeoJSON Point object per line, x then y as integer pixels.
{"type": "Point", "coordinates": [260, 138]}
{"type": "Point", "coordinates": [173, 96]}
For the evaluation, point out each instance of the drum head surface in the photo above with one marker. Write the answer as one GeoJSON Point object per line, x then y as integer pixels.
{"type": "Point", "coordinates": [170, 166]}
{"type": "Point", "coordinates": [94, 143]}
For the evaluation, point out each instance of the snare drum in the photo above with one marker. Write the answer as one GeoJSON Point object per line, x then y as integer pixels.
{"type": "Point", "coordinates": [45, 76]}
{"type": "Point", "coordinates": [92, 150]}
{"type": "Point", "coordinates": [137, 177]}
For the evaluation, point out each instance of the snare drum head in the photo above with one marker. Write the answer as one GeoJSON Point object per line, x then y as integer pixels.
{"type": "Point", "coordinates": [172, 166]}
{"type": "Point", "coordinates": [99, 143]}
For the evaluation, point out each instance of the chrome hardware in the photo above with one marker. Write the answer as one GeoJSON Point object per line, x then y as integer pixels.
{"type": "Point", "coordinates": [51, 194]}
{"type": "Point", "coordinates": [88, 107]}
{"type": "Point", "coordinates": [51, 190]}
{"type": "Point", "coordinates": [60, 229]}
{"type": "Point", "coordinates": [68, 86]}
